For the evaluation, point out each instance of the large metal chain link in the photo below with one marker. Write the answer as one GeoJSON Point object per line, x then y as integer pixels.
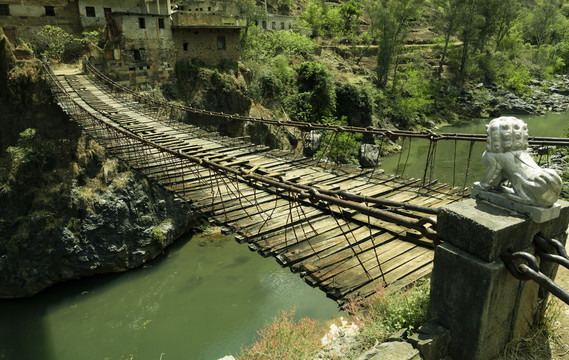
{"type": "Point", "coordinates": [543, 246]}
{"type": "Point", "coordinates": [524, 266]}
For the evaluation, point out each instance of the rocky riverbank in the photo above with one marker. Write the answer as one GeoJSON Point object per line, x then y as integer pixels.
{"type": "Point", "coordinates": [70, 211]}
{"type": "Point", "coordinates": [492, 101]}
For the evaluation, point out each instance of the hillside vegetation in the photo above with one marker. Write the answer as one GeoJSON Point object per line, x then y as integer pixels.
{"type": "Point", "coordinates": [404, 61]}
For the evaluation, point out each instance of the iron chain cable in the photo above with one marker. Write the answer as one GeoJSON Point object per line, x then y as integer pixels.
{"type": "Point", "coordinates": [524, 266]}
{"type": "Point", "coordinates": [543, 246]}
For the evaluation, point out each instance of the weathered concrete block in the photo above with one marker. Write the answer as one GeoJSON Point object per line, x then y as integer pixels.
{"type": "Point", "coordinates": [476, 300]}
{"type": "Point", "coordinates": [396, 351]}
{"type": "Point", "coordinates": [487, 231]}
{"type": "Point", "coordinates": [432, 341]}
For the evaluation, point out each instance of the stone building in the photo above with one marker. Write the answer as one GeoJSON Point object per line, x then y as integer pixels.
{"type": "Point", "coordinates": [227, 9]}
{"type": "Point", "coordinates": [271, 21]}
{"type": "Point", "coordinates": [144, 38]}
{"type": "Point", "coordinates": [209, 43]}
{"type": "Point", "coordinates": [138, 51]}
{"type": "Point", "coordinates": [93, 12]}
{"type": "Point", "coordinates": [210, 35]}
{"type": "Point", "coordinates": [22, 19]}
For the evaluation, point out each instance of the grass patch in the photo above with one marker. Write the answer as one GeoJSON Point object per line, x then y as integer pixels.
{"type": "Point", "coordinates": [541, 342]}
{"type": "Point", "coordinates": [384, 313]}
{"type": "Point", "coordinates": [285, 338]}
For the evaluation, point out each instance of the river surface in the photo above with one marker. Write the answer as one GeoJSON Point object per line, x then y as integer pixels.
{"type": "Point", "coordinates": [204, 299]}
{"type": "Point", "coordinates": [449, 171]}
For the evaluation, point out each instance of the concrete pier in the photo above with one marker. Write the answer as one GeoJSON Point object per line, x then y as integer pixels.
{"type": "Point", "coordinates": [472, 293]}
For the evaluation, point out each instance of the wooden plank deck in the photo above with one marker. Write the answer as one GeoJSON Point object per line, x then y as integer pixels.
{"type": "Point", "coordinates": [344, 253]}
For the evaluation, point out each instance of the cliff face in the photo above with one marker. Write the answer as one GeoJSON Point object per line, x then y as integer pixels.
{"type": "Point", "coordinates": [70, 211]}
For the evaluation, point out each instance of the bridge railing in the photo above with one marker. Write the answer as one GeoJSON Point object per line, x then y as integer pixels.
{"type": "Point", "coordinates": [112, 135]}
{"type": "Point", "coordinates": [325, 149]}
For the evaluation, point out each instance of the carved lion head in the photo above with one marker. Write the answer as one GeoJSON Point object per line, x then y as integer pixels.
{"type": "Point", "coordinates": [506, 133]}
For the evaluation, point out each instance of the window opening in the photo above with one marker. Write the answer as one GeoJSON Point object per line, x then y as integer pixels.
{"type": "Point", "coordinates": [141, 23]}
{"type": "Point", "coordinates": [186, 46]}
{"type": "Point", "coordinates": [161, 23]}
{"type": "Point", "coordinates": [4, 10]}
{"type": "Point", "coordinates": [90, 11]}
{"type": "Point", "coordinates": [49, 11]}
{"type": "Point", "coordinates": [221, 43]}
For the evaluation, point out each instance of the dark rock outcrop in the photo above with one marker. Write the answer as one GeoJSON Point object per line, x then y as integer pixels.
{"type": "Point", "coordinates": [369, 155]}
{"type": "Point", "coordinates": [69, 211]}
{"type": "Point", "coordinates": [543, 96]}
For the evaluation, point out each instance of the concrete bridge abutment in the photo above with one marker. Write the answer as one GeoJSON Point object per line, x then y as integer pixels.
{"type": "Point", "coordinates": [472, 293]}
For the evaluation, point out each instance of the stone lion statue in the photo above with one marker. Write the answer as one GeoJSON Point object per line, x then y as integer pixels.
{"type": "Point", "coordinates": [506, 159]}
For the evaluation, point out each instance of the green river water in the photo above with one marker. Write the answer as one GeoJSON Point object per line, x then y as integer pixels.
{"type": "Point", "coordinates": [203, 299]}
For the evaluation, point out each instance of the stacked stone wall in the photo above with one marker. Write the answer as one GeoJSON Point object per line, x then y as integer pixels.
{"type": "Point", "coordinates": [202, 43]}
{"type": "Point", "coordinates": [143, 56]}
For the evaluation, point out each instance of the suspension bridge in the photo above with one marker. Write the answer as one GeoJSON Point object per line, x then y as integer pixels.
{"type": "Point", "coordinates": [347, 231]}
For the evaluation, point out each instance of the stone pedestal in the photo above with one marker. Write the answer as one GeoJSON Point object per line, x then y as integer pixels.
{"type": "Point", "coordinates": [472, 293]}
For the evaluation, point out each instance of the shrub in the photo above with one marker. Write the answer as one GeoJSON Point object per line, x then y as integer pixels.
{"type": "Point", "coordinates": [384, 313]}
{"type": "Point", "coordinates": [270, 86]}
{"type": "Point", "coordinates": [285, 338]}
{"type": "Point", "coordinates": [355, 103]}
{"type": "Point", "coordinates": [158, 235]}
{"type": "Point", "coordinates": [261, 45]}
{"type": "Point", "coordinates": [413, 95]}
{"type": "Point", "coordinates": [316, 81]}
{"type": "Point", "coordinates": [73, 50]}
{"type": "Point", "coordinates": [23, 74]}
{"type": "Point", "coordinates": [51, 41]}
{"type": "Point", "coordinates": [94, 36]}
{"type": "Point", "coordinates": [339, 147]}
{"type": "Point", "coordinates": [28, 158]}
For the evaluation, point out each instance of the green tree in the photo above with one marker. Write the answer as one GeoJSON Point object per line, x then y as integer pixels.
{"type": "Point", "coordinates": [508, 13]}
{"type": "Point", "coordinates": [51, 42]}
{"type": "Point", "coordinates": [354, 103]}
{"type": "Point", "coordinates": [316, 88]}
{"type": "Point", "coordinates": [389, 26]}
{"type": "Point", "coordinates": [467, 33]}
{"type": "Point", "coordinates": [263, 46]}
{"type": "Point", "coordinates": [446, 22]}
{"type": "Point", "coordinates": [252, 13]}
{"type": "Point", "coordinates": [350, 13]}
{"type": "Point", "coordinates": [282, 6]}
{"type": "Point", "coordinates": [414, 95]}
{"type": "Point", "coordinates": [544, 22]}
{"type": "Point", "coordinates": [314, 16]}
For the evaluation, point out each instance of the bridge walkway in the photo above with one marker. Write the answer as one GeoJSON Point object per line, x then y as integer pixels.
{"type": "Point", "coordinates": [345, 253]}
